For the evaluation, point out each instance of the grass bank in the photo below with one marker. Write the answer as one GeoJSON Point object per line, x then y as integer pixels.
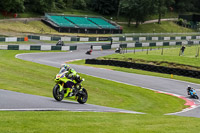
{"type": "Point", "coordinates": [168, 55]}
{"type": "Point", "coordinates": [24, 28]}
{"type": "Point", "coordinates": [165, 27]}
{"type": "Point", "coordinates": [33, 78]}
{"type": "Point", "coordinates": [85, 122]}
{"type": "Point", "coordinates": [12, 28]}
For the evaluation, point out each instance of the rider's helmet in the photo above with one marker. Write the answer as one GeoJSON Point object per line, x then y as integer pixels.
{"type": "Point", "coordinates": [65, 66]}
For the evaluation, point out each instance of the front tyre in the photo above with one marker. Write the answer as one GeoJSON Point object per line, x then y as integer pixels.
{"type": "Point", "coordinates": [57, 94]}
{"type": "Point", "coordinates": [82, 96]}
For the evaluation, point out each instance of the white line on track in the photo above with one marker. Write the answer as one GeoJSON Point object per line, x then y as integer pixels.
{"type": "Point", "coordinates": [74, 110]}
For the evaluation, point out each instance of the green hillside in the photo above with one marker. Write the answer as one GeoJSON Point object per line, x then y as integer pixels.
{"type": "Point", "coordinates": [11, 28]}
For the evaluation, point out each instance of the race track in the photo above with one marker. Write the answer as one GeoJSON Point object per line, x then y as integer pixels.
{"type": "Point", "coordinates": [149, 82]}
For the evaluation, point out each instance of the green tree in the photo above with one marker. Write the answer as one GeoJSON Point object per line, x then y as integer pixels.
{"type": "Point", "coordinates": [80, 4]}
{"type": "Point", "coordinates": [118, 8]}
{"type": "Point", "coordinates": [162, 7]}
{"type": "Point", "coordinates": [185, 5]}
{"type": "Point", "coordinates": [12, 5]}
{"type": "Point", "coordinates": [104, 6]}
{"type": "Point", "coordinates": [137, 10]}
{"type": "Point", "coordinates": [60, 4]}
{"type": "Point", "coordinates": [69, 3]}
{"type": "Point", "coordinates": [40, 6]}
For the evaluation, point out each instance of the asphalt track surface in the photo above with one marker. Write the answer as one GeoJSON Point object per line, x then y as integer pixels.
{"type": "Point", "coordinates": [55, 59]}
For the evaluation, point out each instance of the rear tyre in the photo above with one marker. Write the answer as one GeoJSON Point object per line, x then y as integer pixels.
{"type": "Point", "coordinates": [82, 96]}
{"type": "Point", "coordinates": [57, 94]}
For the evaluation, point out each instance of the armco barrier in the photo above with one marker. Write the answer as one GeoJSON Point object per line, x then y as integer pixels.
{"type": "Point", "coordinates": [37, 47]}
{"type": "Point", "coordinates": [13, 47]}
{"type": "Point", "coordinates": [106, 46]}
{"type": "Point", "coordinates": [144, 44]}
{"type": "Point", "coordinates": [55, 47]}
{"type": "Point", "coordinates": [146, 67]}
{"type": "Point", "coordinates": [13, 39]}
{"type": "Point", "coordinates": [121, 38]}
{"type": "Point", "coordinates": [73, 47]}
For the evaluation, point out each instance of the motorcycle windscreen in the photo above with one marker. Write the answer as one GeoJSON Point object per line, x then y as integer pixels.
{"type": "Point", "coordinates": [62, 70]}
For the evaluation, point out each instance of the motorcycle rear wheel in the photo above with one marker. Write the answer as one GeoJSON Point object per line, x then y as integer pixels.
{"type": "Point", "coordinates": [196, 97]}
{"type": "Point", "coordinates": [57, 94]}
{"type": "Point", "coordinates": [82, 96]}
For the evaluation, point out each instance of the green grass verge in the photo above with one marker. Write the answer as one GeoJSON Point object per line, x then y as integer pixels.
{"type": "Point", "coordinates": [33, 78]}
{"type": "Point", "coordinates": [37, 26]}
{"type": "Point", "coordinates": [8, 27]}
{"type": "Point", "coordinates": [165, 27]}
{"type": "Point", "coordinates": [25, 27]}
{"type": "Point", "coordinates": [84, 122]}
{"type": "Point", "coordinates": [170, 55]}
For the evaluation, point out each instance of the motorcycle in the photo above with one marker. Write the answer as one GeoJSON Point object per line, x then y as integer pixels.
{"type": "Point", "coordinates": [118, 50]}
{"type": "Point", "coordinates": [60, 43]}
{"type": "Point", "coordinates": [68, 88]}
{"type": "Point", "coordinates": [193, 94]}
{"type": "Point", "coordinates": [89, 52]}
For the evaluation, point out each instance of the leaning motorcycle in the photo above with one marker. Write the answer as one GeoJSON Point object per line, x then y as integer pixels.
{"type": "Point", "coordinates": [193, 94]}
{"type": "Point", "coordinates": [68, 88]}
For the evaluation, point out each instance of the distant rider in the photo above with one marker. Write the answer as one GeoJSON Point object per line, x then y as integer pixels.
{"type": "Point", "coordinates": [189, 89]}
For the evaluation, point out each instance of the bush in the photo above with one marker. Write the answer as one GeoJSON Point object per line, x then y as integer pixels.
{"type": "Point", "coordinates": [180, 21]}
{"type": "Point", "coordinates": [80, 4]}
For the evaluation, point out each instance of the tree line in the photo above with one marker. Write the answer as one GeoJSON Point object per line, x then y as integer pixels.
{"type": "Point", "coordinates": [137, 10]}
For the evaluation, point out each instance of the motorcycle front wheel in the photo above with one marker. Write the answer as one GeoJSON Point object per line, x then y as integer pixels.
{"type": "Point", "coordinates": [82, 96]}
{"type": "Point", "coordinates": [57, 94]}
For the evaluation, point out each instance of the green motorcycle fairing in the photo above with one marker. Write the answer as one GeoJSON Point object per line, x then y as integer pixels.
{"type": "Point", "coordinates": [60, 80]}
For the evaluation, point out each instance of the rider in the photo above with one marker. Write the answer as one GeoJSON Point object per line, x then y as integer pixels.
{"type": "Point", "coordinates": [72, 74]}
{"type": "Point", "coordinates": [189, 89]}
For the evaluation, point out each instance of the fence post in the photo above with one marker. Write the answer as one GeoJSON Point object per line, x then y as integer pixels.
{"type": "Point", "coordinates": [197, 54]}
{"type": "Point", "coordinates": [162, 51]}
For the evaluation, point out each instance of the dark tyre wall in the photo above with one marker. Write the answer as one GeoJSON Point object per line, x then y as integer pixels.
{"type": "Point", "coordinates": [146, 67]}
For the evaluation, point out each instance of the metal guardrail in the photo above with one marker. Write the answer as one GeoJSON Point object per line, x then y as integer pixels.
{"type": "Point", "coordinates": [153, 34]}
